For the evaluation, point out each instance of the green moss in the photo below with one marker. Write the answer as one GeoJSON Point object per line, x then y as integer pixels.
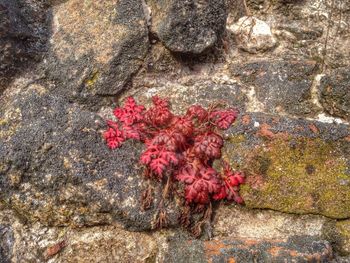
{"type": "Point", "coordinates": [236, 139]}
{"type": "Point", "coordinates": [299, 176]}
{"type": "Point", "coordinates": [3, 122]}
{"type": "Point", "coordinates": [339, 234]}
{"type": "Point", "coordinates": [344, 228]}
{"type": "Point", "coordinates": [93, 78]}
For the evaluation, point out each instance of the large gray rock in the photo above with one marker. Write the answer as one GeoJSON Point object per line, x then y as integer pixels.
{"type": "Point", "coordinates": [280, 86]}
{"type": "Point", "coordinates": [292, 165]}
{"type": "Point", "coordinates": [35, 243]}
{"type": "Point", "coordinates": [294, 249]}
{"type": "Point", "coordinates": [24, 31]}
{"type": "Point", "coordinates": [188, 26]}
{"type": "Point", "coordinates": [96, 46]}
{"type": "Point", "coordinates": [55, 167]}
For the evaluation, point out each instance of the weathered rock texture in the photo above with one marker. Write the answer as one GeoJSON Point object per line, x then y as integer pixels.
{"type": "Point", "coordinates": [335, 93]}
{"type": "Point", "coordinates": [188, 26]}
{"type": "Point", "coordinates": [282, 87]}
{"type": "Point", "coordinates": [56, 169]}
{"type": "Point", "coordinates": [96, 46]}
{"type": "Point", "coordinates": [295, 166]}
{"type": "Point", "coordinates": [24, 31]}
{"type": "Point", "coordinates": [64, 65]}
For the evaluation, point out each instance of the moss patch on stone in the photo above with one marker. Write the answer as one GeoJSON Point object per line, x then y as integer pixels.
{"type": "Point", "coordinates": [93, 78]}
{"type": "Point", "coordinates": [297, 175]}
{"type": "Point", "coordinates": [343, 231]}
{"type": "Point", "coordinates": [338, 233]}
{"type": "Point", "coordinates": [343, 227]}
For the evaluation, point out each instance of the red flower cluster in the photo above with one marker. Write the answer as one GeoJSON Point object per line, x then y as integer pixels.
{"type": "Point", "coordinates": [180, 147]}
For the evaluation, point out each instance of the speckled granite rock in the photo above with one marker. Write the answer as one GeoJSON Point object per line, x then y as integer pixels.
{"type": "Point", "coordinates": [23, 242]}
{"type": "Point", "coordinates": [296, 249]}
{"type": "Point", "coordinates": [96, 46]}
{"type": "Point", "coordinates": [55, 167]}
{"type": "Point", "coordinates": [281, 87]}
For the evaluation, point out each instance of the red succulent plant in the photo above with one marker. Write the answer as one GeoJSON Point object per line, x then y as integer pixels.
{"type": "Point", "coordinates": [180, 148]}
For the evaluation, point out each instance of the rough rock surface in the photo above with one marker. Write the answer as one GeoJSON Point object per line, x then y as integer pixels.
{"type": "Point", "coordinates": [95, 48]}
{"type": "Point", "coordinates": [65, 197]}
{"type": "Point", "coordinates": [309, 160]}
{"type": "Point", "coordinates": [297, 249]}
{"type": "Point", "coordinates": [188, 26]}
{"type": "Point", "coordinates": [282, 87]}
{"type": "Point", "coordinates": [24, 30]}
{"type": "Point", "coordinates": [56, 169]}
{"type": "Point", "coordinates": [339, 235]}
{"type": "Point", "coordinates": [335, 93]}
{"type": "Point", "coordinates": [35, 243]}
{"type": "Point", "coordinates": [232, 222]}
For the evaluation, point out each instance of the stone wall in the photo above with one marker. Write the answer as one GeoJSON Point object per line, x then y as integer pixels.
{"type": "Point", "coordinates": [64, 65]}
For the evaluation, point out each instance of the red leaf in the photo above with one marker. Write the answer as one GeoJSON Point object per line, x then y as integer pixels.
{"type": "Point", "coordinates": [158, 158]}
{"type": "Point", "coordinates": [130, 113]}
{"type": "Point", "coordinates": [183, 125]}
{"type": "Point", "coordinates": [223, 118]}
{"type": "Point", "coordinates": [196, 111]}
{"type": "Point", "coordinates": [230, 187]}
{"type": "Point", "coordinates": [113, 136]}
{"type": "Point", "coordinates": [135, 131]}
{"type": "Point", "coordinates": [208, 144]}
{"type": "Point", "coordinates": [199, 183]}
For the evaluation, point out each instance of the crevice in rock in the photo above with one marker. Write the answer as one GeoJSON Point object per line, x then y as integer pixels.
{"type": "Point", "coordinates": [300, 214]}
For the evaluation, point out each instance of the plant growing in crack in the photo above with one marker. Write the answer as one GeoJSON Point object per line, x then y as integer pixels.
{"type": "Point", "coordinates": [179, 154]}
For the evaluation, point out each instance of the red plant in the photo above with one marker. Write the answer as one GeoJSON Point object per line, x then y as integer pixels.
{"type": "Point", "coordinates": [180, 148]}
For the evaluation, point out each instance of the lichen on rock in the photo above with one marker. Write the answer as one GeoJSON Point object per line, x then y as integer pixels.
{"type": "Point", "coordinates": [300, 176]}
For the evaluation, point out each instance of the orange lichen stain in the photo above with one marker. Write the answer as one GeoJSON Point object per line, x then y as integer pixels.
{"type": "Point", "coordinates": [55, 249]}
{"type": "Point", "coordinates": [314, 128]}
{"type": "Point", "coordinates": [212, 248]}
{"type": "Point", "coordinates": [231, 260]}
{"type": "Point", "coordinates": [266, 132]}
{"type": "Point", "coordinates": [246, 120]}
{"type": "Point", "coordinates": [251, 242]}
{"type": "Point", "coordinates": [274, 251]}
{"type": "Point", "coordinates": [316, 257]}
{"type": "Point", "coordinates": [293, 253]}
